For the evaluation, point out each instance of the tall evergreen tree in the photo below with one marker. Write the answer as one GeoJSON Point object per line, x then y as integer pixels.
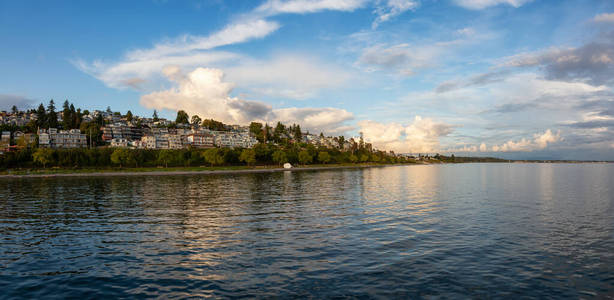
{"type": "Point", "coordinates": [155, 116]}
{"type": "Point", "coordinates": [52, 116]}
{"type": "Point", "coordinates": [41, 116]}
{"type": "Point", "coordinates": [66, 116]}
{"type": "Point", "coordinates": [298, 135]}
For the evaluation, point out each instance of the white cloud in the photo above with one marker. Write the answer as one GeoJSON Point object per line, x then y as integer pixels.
{"type": "Point", "coordinates": [481, 4]}
{"type": "Point", "coordinates": [274, 7]}
{"type": "Point", "coordinates": [402, 58]}
{"type": "Point", "coordinates": [605, 17]}
{"type": "Point", "coordinates": [127, 73]}
{"type": "Point", "coordinates": [231, 34]}
{"type": "Point", "coordinates": [592, 62]}
{"type": "Point", "coordinates": [287, 75]}
{"type": "Point", "coordinates": [141, 69]}
{"type": "Point", "coordinates": [483, 147]}
{"type": "Point", "coordinates": [391, 9]}
{"type": "Point", "coordinates": [205, 93]}
{"type": "Point", "coordinates": [539, 142]}
{"type": "Point", "coordinates": [422, 135]}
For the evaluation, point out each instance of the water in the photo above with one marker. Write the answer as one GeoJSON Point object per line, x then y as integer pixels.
{"type": "Point", "coordinates": [452, 231]}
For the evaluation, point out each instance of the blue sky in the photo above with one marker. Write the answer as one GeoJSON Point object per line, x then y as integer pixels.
{"type": "Point", "coordinates": [509, 78]}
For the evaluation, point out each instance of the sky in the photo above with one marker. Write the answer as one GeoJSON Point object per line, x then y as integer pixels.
{"type": "Point", "coordinates": [518, 79]}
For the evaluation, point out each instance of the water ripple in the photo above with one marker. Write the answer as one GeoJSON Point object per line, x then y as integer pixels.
{"type": "Point", "coordinates": [449, 231]}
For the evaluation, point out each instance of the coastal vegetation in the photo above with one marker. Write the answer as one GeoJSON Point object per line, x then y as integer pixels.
{"type": "Point", "coordinates": [275, 146]}
{"type": "Point", "coordinates": [261, 154]}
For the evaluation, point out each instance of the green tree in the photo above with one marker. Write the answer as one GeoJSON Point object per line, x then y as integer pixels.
{"type": "Point", "coordinates": [280, 157]}
{"type": "Point", "coordinates": [279, 132]}
{"type": "Point", "coordinates": [298, 135]}
{"type": "Point", "coordinates": [364, 158]}
{"type": "Point", "coordinates": [43, 156]}
{"type": "Point", "coordinates": [41, 116]}
{"type": "Point", "coordinates": [323, 157]}
{"type": "Point", "coordinates": [165, 156]}
{"type": "Point", "coordinates": [213, 125]}
{"type": "Point", "coordinates": [255, 129]}
{"type": "Point", "coordinates": [123, 157]}
{"type": "Point", "coordinates": [75, 117]}
{"type": "Point", "coordinates": [92, 132]}
{"type": "Point", "coordinates": [213, 156]}
{"type": "Point", "coordinates": [129, 116]}
{"type": "Point", "coordinates": [341, 142]}
{"type": "Point", "coordinates": [66, 116]}
{"type": "Point", "coordinates": [52, 116]}
{"type": "Point", "coordinates": [353, 158]}
{"type": "Point", "coordinates": [304, 157]}
{"type": "Point", "coordinates": [195, 120]}
{"type": "Point", "coordinates": [155, 116]}
{"type": "Point", "coordinates": [182, 117]}
{"type": "Point", "coordinates": [248, 156]}
{"type": "Point", "coordinates": [14, 109]}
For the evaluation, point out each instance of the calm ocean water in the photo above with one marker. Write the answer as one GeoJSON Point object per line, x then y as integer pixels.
{"type": "Point", "coordinates": [451, 231]}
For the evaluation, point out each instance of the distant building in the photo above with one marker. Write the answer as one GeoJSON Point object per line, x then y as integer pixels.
{"type": "Point", "coordinates": [5, 139]}
{"type": "Point", "coordinates": [119, 142]}
{"type": "Point", "coordinates": [27, 138]}
{"type": "Point", "coordinates": [121, 131]}
{"type": "Point", "coordinates": [55, 139]}
{"type": "Point", "coordinates": [201, 140]}
{"type": "Point", "coordinates": [155, 142]}
{"type": "Point", "coordinates": [175, 141]}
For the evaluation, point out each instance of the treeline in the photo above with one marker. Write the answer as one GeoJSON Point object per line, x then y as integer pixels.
{"type": "Point", "coordinates": [261, 154]}
{"type": "Point", "coordinates": [466, 159]}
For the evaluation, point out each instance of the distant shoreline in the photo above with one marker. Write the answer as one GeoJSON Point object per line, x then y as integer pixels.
{"type": "Point", "coordinates": [196, 172]}
{"type": "Point", "coordinates": [223, 171]}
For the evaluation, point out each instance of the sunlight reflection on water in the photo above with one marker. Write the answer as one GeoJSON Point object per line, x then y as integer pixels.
{"type": "Point", "coordinates": [478, 230]}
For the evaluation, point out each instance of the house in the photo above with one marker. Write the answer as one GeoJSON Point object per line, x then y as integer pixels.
{"type": "Point", "coordinates": [200, 140]}
{"type": "Point", "coordinates": [55, 139]}
{"type": "Point", "coordinates": [174, 141]}
{"type": "Point", "coordinates": [24, 138]}
{"type": "Point", "coordinates": [5, 139]}
{"type": "Point", "coordinates": [119, 142]}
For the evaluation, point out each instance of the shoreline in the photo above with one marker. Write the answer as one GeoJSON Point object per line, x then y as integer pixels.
{"type": "Point", "coordinates": [247, 170]}
{"type": "Point", "coordinates": [195, 172]}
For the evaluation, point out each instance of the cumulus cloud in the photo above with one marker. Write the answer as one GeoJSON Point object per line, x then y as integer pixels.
{"type": "Point", "coordinates": [205, 93]}
{"type": "Point", "coordinates": [481, 4]}
{"type": "Point", "coordinates": [7, 101]}
{"type": "Point", "coordinates": [539, 142]}
{"type": "Point", "coordinates": [137, 73]}
{"type": "Point", "coordinates": [422, 135]}
{"type": "Point", "coordinates": [291, 76]}
{"type": "Point", "coordinates": [390, 9]}
{"type": "Point", "coordinates": [605, 17]}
